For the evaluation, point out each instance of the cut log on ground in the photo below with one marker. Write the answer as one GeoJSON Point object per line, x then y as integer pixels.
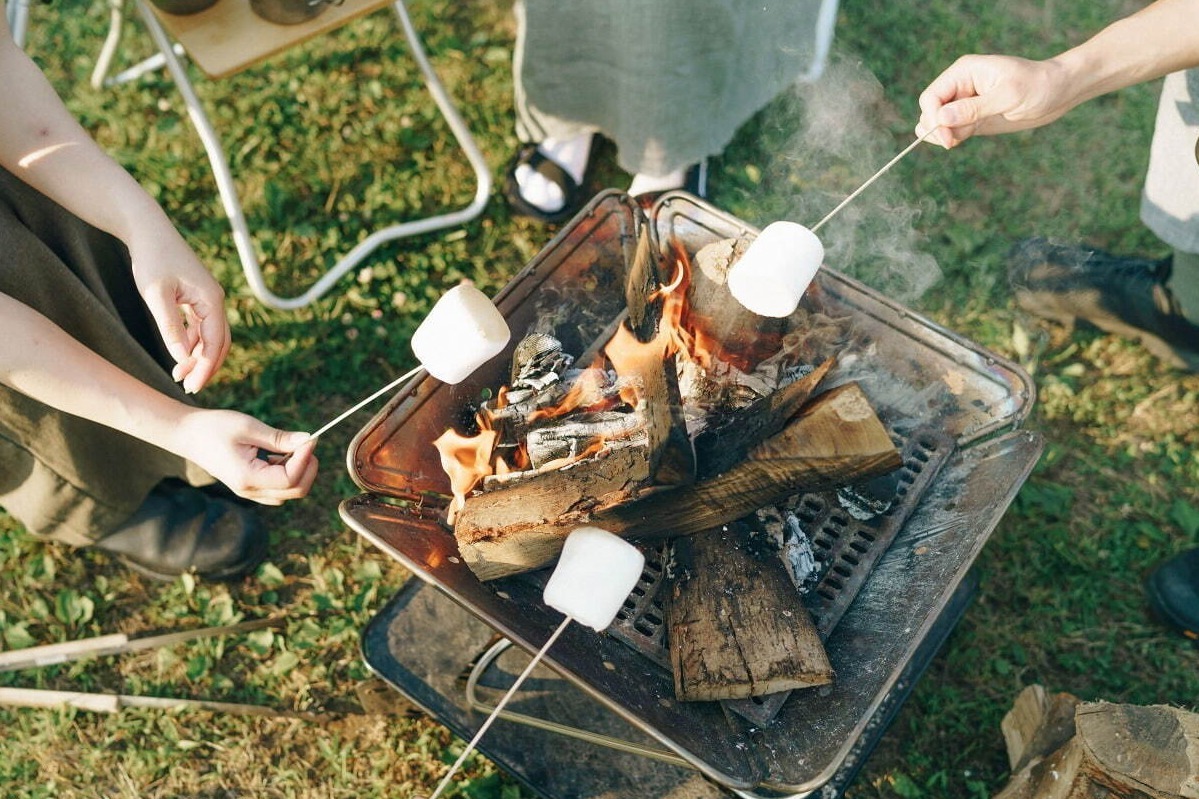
{"type": "Point", "coordinates": [1116, 750]}
{"type": "Point", "coordinates": [736, 627]}
{"type": "Point", "coordinates": [1038, 723]}
{"type": "Point", "coordinates": [835, 440]}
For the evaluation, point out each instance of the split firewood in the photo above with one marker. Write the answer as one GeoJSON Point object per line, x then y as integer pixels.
{"type": "Point", "coordinates": [719, 448]}
{"type": "Point", "coordinates": [736, 626]}
{"type": "Point", "coordinates": [643, 282]}
{"type": "Point", "coordinates": [835, 440]}
{"type": "Point", "coordinates": [1039, 722]}
{"type": "Point", "coordinates": [1114, 750]}
{"type": "Point", "coordinates": [638, 351]}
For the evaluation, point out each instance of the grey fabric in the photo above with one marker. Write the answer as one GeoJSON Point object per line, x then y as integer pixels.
{"type": "Point", "coordinates": [61, 476]}
{"type": "Point", "coordinates": [1170, 202]}
{"type": "Point", "coordinates": [1184, 283]}
{"type": "Point", "coordinates": [669, 81]}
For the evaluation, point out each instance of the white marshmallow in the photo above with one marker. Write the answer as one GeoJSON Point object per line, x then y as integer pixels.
{"type": "Point", "coordinates": [776, 269]}
{"type": "Point", "coordinates": [594, 576]}
{"type": "Point", "coordinates": [462, 332]}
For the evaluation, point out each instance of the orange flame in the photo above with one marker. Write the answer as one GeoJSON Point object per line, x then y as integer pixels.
{"type": "Point", "coordinates": [586, 393]}
{"type": "Point", "coordinates": [467, 460]}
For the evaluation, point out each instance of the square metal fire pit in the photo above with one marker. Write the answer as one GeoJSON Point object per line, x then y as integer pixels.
{"type": "Point", "coordinates": [919, 377]}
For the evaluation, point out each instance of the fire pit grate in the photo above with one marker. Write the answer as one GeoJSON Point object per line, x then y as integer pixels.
{"type": "Point", "coordinates": [846, 550]}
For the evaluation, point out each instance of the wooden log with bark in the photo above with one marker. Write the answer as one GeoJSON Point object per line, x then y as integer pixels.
{"type": "Point", "coordinates": [723, 446]}
{"type": "Point", "coordinates": [736, 626]}
{"type": "Point", "coordinates": [736, 335]}
{"type": "Point", "coordinates": [836, 439]}
{"type": "Point", "coordinates": [1109, 750]}
{"type": "Point", "coordinates": [646, 363]}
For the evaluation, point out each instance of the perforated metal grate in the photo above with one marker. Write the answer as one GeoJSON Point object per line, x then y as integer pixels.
{"type": "Point", "coordinates": [846, 548]}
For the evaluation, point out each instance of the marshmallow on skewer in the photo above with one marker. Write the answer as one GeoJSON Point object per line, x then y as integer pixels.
{"type": "Point", "coordinates": [594, 576]}
{"type": "Point", "coordinates": [462, 332]}
{"type": "Point", "coordinates": [776, 269]}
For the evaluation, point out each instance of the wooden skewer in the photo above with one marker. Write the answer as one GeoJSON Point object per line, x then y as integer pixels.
{"type": "Point", "coordinates": [873, 178]}
{"type": "Point", "coordinates": [116, 644]}
{"type": "Point", "coordinates": [114, 703]}
{"type": "Point", "coordinates": [346, 414]}
{"type": "Point", "coordinates": [470, 747]}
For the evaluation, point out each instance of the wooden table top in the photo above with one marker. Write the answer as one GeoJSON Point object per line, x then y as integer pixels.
{"type": "Point", "coordinates": [229, 36]}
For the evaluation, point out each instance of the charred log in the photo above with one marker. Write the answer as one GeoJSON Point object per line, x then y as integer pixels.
{"type": "Point", "coordinates": [835, 440]}
{"type": "Point", "coordinates": [737, 628]}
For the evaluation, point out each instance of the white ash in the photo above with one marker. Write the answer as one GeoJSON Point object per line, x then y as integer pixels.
{"type": "Point", "coordinates": [571, 436]}
{"type": "Point", "coordinates": [537, 362]}
{"type": "Point", "coordinates": [798, 556]}
{"type": "Point", "coordinates": [783, 529]}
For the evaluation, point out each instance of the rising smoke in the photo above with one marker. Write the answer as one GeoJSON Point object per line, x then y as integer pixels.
{"type": "Point", "coordinates": [836, 132]}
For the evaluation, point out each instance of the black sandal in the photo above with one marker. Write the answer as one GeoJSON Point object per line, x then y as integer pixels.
{"type": "Point", "coordinates": [529, 155]}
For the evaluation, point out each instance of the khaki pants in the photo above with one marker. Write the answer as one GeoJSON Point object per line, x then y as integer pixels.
{"type": "Point", "coordinates": [63, 477]}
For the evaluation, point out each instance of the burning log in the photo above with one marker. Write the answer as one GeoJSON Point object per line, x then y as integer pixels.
{"type": "Point", "coordinates": [836, 439]}
{"type": "Point", "coordinates": [641, 351]}
{"type": "Point", "coordinates": [653, 371]}
{"type": "Point", "coordinates": [733, 334]}
{"type": "Point", "coordinates": [737, 628]}
{"type": "Point", "coordinates": [643, 283]}
{"type": "Point", "coordinates": [722, 446]}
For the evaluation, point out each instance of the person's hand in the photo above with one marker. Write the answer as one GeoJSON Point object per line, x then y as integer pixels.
{"type": "Point", "coordinates": [186, 302]}
{"type": "Point", "coordinates": [227, 444]}
{"type": "Point", "coordinates": [989, 94]}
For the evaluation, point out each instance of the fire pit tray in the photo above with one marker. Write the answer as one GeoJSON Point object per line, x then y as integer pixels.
{"type": "Point", "coordinates": [431, 676]}
{"type": "Point", "coordinates": [917, 374]}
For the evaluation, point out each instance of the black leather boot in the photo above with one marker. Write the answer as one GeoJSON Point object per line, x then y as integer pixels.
{"type": "Point", "coordinates": [1125, 296]}
{"type": "Point", "coordinates": [180, 529]}
{"type": "Point", "coordinates": [1173, 592]}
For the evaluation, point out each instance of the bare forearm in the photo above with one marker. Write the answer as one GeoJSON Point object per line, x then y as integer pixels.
{"type": "Point", "coordinates": [41, 143]}
{"type": "Point", "coordinates": [1157, 40]}
{"type": "Point", "coordinates": [40, 360]}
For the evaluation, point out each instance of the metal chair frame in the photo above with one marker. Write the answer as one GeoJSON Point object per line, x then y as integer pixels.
{"type": "Point", "coordinates": [170, 55]}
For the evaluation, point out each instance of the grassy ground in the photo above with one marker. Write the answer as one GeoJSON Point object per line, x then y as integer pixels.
{"type": "Point", "coordinates": [1060, 602]}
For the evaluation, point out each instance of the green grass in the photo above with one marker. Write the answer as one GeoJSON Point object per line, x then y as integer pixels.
{"type": "Point", "coordinates": [335, 138]}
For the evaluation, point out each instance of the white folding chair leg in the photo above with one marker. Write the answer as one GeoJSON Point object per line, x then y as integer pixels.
{"type": "Point", "coordinates": [116, 22]}
{"type": "Point", "coordinates": [228, 191]}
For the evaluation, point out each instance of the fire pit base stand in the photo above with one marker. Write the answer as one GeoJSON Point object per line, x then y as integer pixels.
{"type": "Point", "coordinates": [433, 675]}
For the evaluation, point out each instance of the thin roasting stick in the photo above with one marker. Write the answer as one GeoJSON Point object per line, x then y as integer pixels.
{"type": "Point", "coordinates": [114, 703]}
{"type": "Point", "coordinates": [873, 178]}
{"type": "Point", "coordinates": [117, 644]}
{"type": "Point", "coordinates": [470, 747]}
{"type": "Point", "coordinates": [365, 402]}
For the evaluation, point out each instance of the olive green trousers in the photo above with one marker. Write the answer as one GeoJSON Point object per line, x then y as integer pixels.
{"type": "Point", "coordinates": [63, 477]}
